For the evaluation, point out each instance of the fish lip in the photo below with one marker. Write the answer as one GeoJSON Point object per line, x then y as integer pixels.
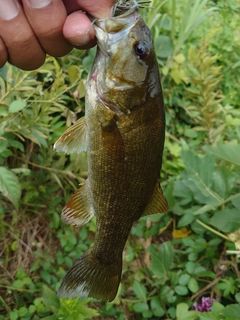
{"type": "Point", "coordinates": [121, 26]}
{"type": "Point", "coordinates": [124, 21]}
{"type": "Point", "coordinates": [127, 8]}
{"type": "Point", "coordinates": [104, 39]}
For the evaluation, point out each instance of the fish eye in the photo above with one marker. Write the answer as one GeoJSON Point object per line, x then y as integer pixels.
{"type": "Point", "coordinates": [142, 49]}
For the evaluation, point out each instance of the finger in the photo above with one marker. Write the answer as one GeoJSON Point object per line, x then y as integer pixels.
{"type": "Point", "coordinates": [78, 28]}
{"type": "Point", "coordinates": [47, 18]}
{"type": "Point", "coordinates": [79, 31]}
{"type": "Point", "coordinates": [3, 53]}
{"type": "Point", "coordinates": [19, 40]}
{"type": "Point", "coordinates": [98, 9]}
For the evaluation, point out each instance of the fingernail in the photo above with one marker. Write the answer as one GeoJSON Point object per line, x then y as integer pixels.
{"type": "Point", "coordinates": [8, 9]}
{"type": "Point", "coordinates": [39, 3]}
{"type": "Point", "coordinates": [80, 39]}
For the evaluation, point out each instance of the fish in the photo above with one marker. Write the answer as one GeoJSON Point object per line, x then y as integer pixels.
{"type": "Point", "coordinates": [123, 133]}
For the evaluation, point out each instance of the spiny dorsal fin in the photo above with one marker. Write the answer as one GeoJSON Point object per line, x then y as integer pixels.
{"type": "Point", "coordinates": [74, 139]}
{"type": "Point", "coordinates": [77, 210]}
{"type": "Point", "coordinates": [158, 203]}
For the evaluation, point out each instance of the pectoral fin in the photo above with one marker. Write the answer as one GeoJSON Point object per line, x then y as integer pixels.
{"type": "Point", "coordinates": [74, 139]}
{"type": "Point", "coordinates": [158, 203]}
{"type": "Point", "coordinates": [77, 210]}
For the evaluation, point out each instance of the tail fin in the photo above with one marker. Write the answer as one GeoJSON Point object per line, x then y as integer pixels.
{"type": "Point", "coordinates": [89, 278]}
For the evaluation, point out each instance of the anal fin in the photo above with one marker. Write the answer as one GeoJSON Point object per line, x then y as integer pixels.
{"type": "Point", "coordinates": [74, 139]}
{"type": "Point", "coordinates": [158, 203]}
{"type": "Point", "coordinates": [77, 210]}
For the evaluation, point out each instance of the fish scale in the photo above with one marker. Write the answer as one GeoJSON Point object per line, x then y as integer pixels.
{"type": "Point", "coordinates": [123, 133]}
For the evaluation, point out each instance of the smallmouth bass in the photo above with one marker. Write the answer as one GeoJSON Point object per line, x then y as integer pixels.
{"type": "Point", "coordinates": [123, 134]}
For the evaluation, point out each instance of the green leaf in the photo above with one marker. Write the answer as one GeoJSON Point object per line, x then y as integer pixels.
{"type": "Point", "coordinates": [182, 312]}
{"type": "Point", "coordinates": [236, 201]}
{"type": "Point", "coordinates": [159, 312]}
{"type": "Point", "coordinates": [24, 171]}
{"type": "Point", "coordinates": [130, 254]}
{"type": "Point", "coordinates": [172, 312]}
{"type": "Point", "coordinates": [184, 279]}
{"type": "Point", "coordinates": [16, 144]}
{"type": "Point", "coordinates": [232, 311]}
{"type": "Point", "coordinates": [18, 284]}
{"type": "Point", "coordinates": [21, 274]}
{"type": "Point", "coordinates": [3, 113]}
{"type": "Point", "coordinates": [227, 152]}
{"type": "Point", "coordinates": [227, 285]}
{"type": "Point", "coordinates": [3, 145]}
{"type": "Point", "coordinates": [181, 290]}
{"type": "Point", "coordinates": [147, 314]}
{"type": "Point", "coordinates": [50, 299]}
{"type": "Point", "coordinates": [237, 297]}
{"type": "Point", "coordinates": [53, 317]}
{"type": "Point", "coordinates": [193, 285]}
{"type": "Point", "coordinates": [88, 59]}
{"type": "Point", "coordinates": [166, 22]}
{"type": "Point", "coordinates": [10, 186]}
{"type": "Point", "coordinates": [217, 307]}
{"type": "Point", "coordinates": [223, 181]}
{"type": "Point", "coordinates": [164, 46]}
{"type": "Point", "coordinates": [169, 294]}
{"type": "Point", "coordinates": [156, 307]}
{"type": "Point", "coordinates": [203, 209]}
{"type": "Point", "coordinates": [76, 309]}
{"type": "Point", "coordinates": [161, 260]}
{"type": "Point", "coordinates": [208, 316]}
{"type": "Point", "coordinates": [39, 139]}
{"type": "Point", "coordinates": [190, 267]}
{"type": "Point", "coordinates": [22, 311]}
{"type": "Point", "coordinates": [74, 74]}
{"type": "Point", "coordinates": [140, 307]}
{"type": "Point", "coordinates": [32, 309]}
{"type": "Point", "coordinates": [200, 171]}
{"type": "Point", "coordinates": [227, 220]}
{"type": "Point", "coordinates": [186, 219]}
{"type": "Point", "coordinates": [17, 106]}
{"type": "Point", "coordinates": [140, 291]}
{"type": "Point", "coordinates": [13, 315]}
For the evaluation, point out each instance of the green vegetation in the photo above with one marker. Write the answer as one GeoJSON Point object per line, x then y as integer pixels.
{"type": "Point", "coordinates": [170, 261]}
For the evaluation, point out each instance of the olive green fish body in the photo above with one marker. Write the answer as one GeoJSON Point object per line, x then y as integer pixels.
{"type": "Point", "coordinates": [125, 161]}
{"type": "Point", "coordinates": [124, 137]}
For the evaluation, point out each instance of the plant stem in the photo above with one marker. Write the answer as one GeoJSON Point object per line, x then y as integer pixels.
{"type": "Point", "coordinates": [233, 251]}
{"type": "Point", "coordinates": [173, 20]}
{"type": "Point", "coordinates": [213, 230]}
{"type": "Point", "coordinates": [210, 285]}
{"type": "Point", "coordinates": [47, 168]}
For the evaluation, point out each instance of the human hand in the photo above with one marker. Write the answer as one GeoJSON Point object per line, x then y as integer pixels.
{"type": "Point", "coordinates": [30, 29]}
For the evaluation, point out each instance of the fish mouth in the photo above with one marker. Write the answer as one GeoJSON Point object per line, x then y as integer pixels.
{"type": "Point", "coordinates": [112, 29]}
{"type": "Point", "coordinates": [109, 31]}
{"type": "Point", "coordinates": [123, 7]}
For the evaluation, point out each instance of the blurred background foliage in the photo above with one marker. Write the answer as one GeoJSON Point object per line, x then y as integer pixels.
{"type": "Point", "coordinates": [170, 261]}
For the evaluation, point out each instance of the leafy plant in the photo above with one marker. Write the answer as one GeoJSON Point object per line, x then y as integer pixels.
{"type": "Point", "coordinates": [176, 266]}
{"type": "Point", "coordinates": [205, 109]}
